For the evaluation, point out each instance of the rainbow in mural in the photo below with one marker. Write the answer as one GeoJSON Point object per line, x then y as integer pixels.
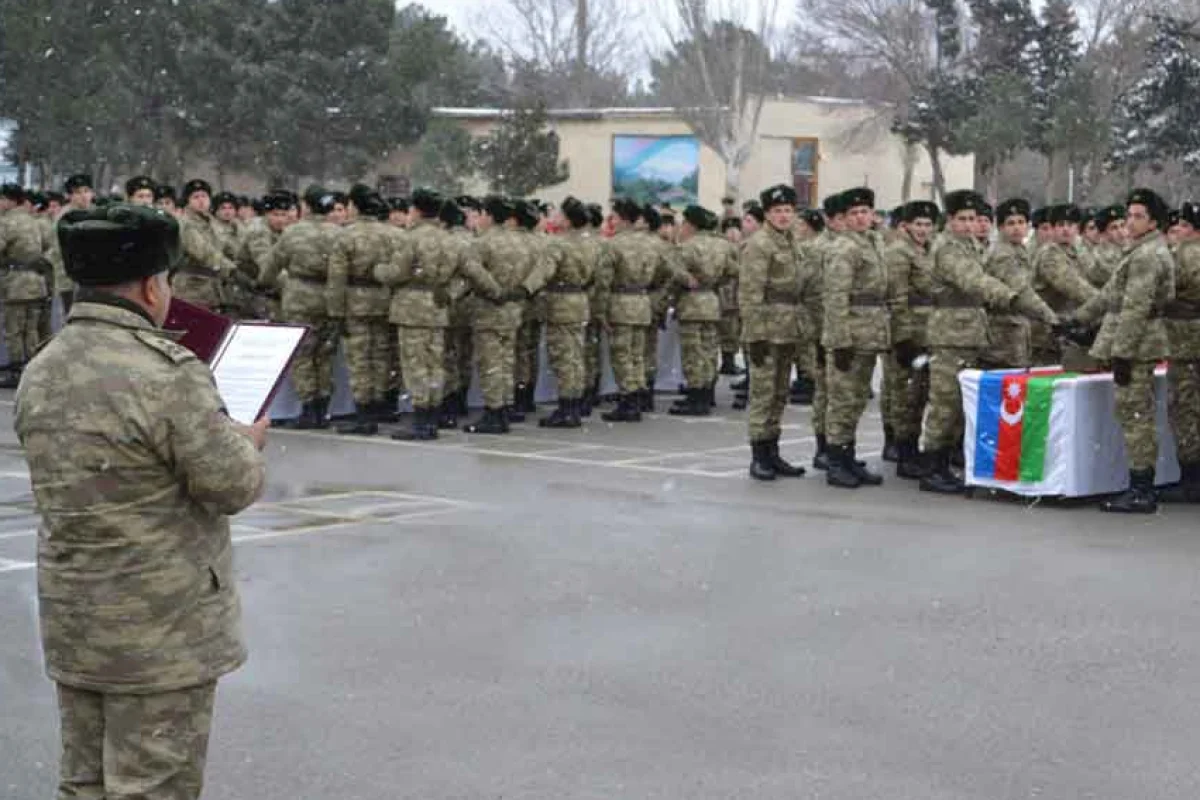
{"type": "Point", "coordinates": [657, 169]}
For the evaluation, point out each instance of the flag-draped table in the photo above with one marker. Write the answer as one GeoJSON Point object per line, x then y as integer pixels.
{"type": "Point", "coordinates": [1047, 433]}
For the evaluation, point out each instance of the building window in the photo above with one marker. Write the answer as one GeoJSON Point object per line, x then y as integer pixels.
{"type": "Point", "coordinates": [805, 155]}
{"type": "Point", "coordinates": [394, 185]}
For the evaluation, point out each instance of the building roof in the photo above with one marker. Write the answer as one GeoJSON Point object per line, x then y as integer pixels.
{"type": "Point", "coordinates": [628, 112]}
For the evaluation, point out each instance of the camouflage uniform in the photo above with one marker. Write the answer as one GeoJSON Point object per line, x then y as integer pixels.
{"type": "Point", "coordinates": [504, 254]}
{"type": "Point", "coordinates": [22, 256]}
{"type": "Point", "coordinates": [627, 309]}
{"type": "Point", "coordinates": [362, 303]}
{"type": "Point", "coordinates": [135, 632]}
{"type": "Point", "coordinates": [200, 276]}
{"type": "Point", "coordinates": [660, 303]}
{"type": "Point", "coordinates": [257, 245]}
{"type": "Point", "coordinates": [855, 297]}
{"type": "Point", "coordinates": [597, 314]}
{"type": "Point", "coordinates": [729, 328]}
{"type": "Point", "coordinates": [907, 389]}
{"type": "Point", "coordinates": [816, 253]}
{"type": "Point", "coordinates": [710, 262]}
{"type": "Point", "coordinates": [529, 334]}
{"type": "Point", "coordinates": [1059, 281]}
{"type": "Point", "coordinates": [1105, 258]}
{"type": "Point", "coordinates": [1133, 329]}
{"type": "Point", "coordinates": [237, 286]}
{"type": "Point", "coordinates": [1008, 333]}
{"type": "Point", "coordinates": [459, 353]}
{"type": "Point", "coordinates": [1183, 332]}
{"type": "Point", "coordinates": [564, 280]}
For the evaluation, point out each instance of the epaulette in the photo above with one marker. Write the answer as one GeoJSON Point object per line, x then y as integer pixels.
{"type": "Point", "coordinates": [163, 345]}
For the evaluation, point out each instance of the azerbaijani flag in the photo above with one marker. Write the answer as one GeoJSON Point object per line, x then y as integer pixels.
{"type": "Point", "coordinates": [1012, 423]}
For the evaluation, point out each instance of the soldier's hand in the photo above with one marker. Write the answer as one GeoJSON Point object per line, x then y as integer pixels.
{"type": "Point", "coordinates": [757, 351]}
{"type": "Point", "coordinates": [905, 353]}
{"type": "Point", "coordinates": [843, 359]}
{"type": "Point", "coordinates": [257, 432]}
{"type": "Point", "coordinates": [1122, 369]}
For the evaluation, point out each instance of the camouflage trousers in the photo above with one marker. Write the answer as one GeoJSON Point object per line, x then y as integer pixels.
{"type": "Point", "coordinates": [528, 338]}
{"type": "Point", "coordinates": [902, 401]}
{"type": "Point", "coordinates": [134, 746]}
{"type": "Point", "coordinates": [698, 353]}
{"type": "Point", "coordinates": [815, 357]}
{"type": "Point", "coordinates": [729, 329]}
{"type": "Point", "coordinates": [22, 321]}
{"type": "Point", "coordinates": [422, 359]}
{"type": "Point", "coordinates": [1009, 343]}
{"type": "Point", "coordinates": [495, 355]}
{"type": "Point", "coordinates": [457, 359]}
{"type": "Point", "coordinates": [366, 346]}
{"type": "Point", "coordinates": [1183, 378]}
{"type": "Point", "coordinates": [591, 353]}
{"type": "Point", "coordinates": [46, 320]}
{"type": "Point", "coordinates": [770, 386]}
{"type": "Point", "coordinates": [944, 418]}
{"type": "Point", "coordinates": [395, 374]}
{"type": "Point", "coordinates": [564, 346]}
{"type": "Point", "coordinates": [312, 369]}
{"type": "Point", "coordinates": [650, 354]}
{"type": "Point", "coordinates": [1135, 413]}
{"type": "Point", "coordinates": [849, 393]}
{"type": "Point", "coordinates": [627, 350]}
{"type": "Point", "coordinates": [1046, 356]}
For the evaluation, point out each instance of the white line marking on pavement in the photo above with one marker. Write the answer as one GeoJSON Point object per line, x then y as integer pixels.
{"type": "Point", "coordinates": [314, 529]}
{"type": "Point", "coordinates": [18, 534]}
{"type": "Point", "coordinates": [8, 565]}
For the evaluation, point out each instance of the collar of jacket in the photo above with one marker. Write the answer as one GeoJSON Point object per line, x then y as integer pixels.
{"type": "Point", "coordinates": [200, 215]}
{"type": "Point", "coordinates": [919, 248]}
{"type": "Point", "coordinates": [784, 237]}
{"type": "Point", "coordinates": [1151, 236]}
{"type": "Point", "coordinates": [96, 305]}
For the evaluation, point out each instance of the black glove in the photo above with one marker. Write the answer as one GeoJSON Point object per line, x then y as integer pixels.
{"type": "Point", "coordinates": [1062, 329]}
{"type": "Point", "coordinates": [843, 359]}
{"type": "Point", "coordinates": [441, 297]}
{"type": "Point", "coordinates": [905, 353]}
{"type": "Point", "coordinates": [757, 352]}
{"type": "Point", "coordinates": [820, 356]}
{"type": "Point", "coordinates": [1122, 369]}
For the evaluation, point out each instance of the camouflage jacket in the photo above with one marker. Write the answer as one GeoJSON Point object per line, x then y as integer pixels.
{"type": "Point", "coordinates": [961, 291]}
{"type": "Point", "coordinates": [199, 275]}
{"type": "Point", "coordinates": [707, 259]}
{"type": "Point", "coordinates": [1059, 280]}
{"type": "Point", "coordinates": [464, 305]}
{"type": "Point", "coordinates": [855, 295]}
{"type": "Point", "coordinates": [1105, 257]}
{"type": "Point", "coordinates": [664, 272]}
{"type": "Point", "coordinates": [26, 269]}
{"type": "Point", "coordinates": [1132, 304]}
{"type": "Point", "coordinates": [908, 267]}
{"type": "Point", "coordinates": [423, 267]}
{"type": "Point", "coordinates": [229, 234]}
{"type": "Point", "coordinates": [506, 256]}
{"type": "Point", "coordinates": [135, 468]}
{"type": "Point", "coordinates": [728, 293]}
{"type": "Point", "coordinates": [565, 277]}
{"type": "Point", "coordinates": [634, 262]}
{"type": "Point", "coordinates": [351, 289]}
{"type": "Point", "coordinates": [301, 260]}
{"type": "Point", "coordinates": [772, 286]}
{"type": "Point", "coordinates": [1183, 313]}
{"type": "Point", "coordinates": [1008, 333]}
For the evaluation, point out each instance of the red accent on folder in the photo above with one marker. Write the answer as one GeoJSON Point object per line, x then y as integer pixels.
{"type": "Point", "coordinates": [203, 330]}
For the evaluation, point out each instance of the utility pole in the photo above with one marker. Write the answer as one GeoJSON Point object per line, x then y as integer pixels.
{"type": "Point", "coordinates": [582, 32]}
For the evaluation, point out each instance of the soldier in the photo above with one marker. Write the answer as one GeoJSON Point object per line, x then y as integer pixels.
{"type": "Point", "coordinates": [258, 250]}
{"type": "Point", "coordinates": [527, 216]}
{"type": "Point", "coordinates": [1174, 232]}
{"type": "Point", "coordinates": [855, 331]}
{"type": "Point", "coordinates": [399, 212]}
{"type": "Point", "coordinates": [302, 256]}
{"type": "Point", "coordinates": [1043, 232]}
{"type": "Point", "coordinates": [773, 284]}
{"type": "Point", "coordinates": [164, 198]}
{"type": "Point", "coordinates": [1133, 338]}
{"type": "Point", "coordinates": [1058, 279]}
{"type": "Point", "coordinates": [729, 329]}
{"type": "Point", "coordinates": [1107, 251]}
{"type": "Point", "coordinates": [423, 269]}
{"type": "Point", "coordinates": [819, 253]}
{"type": "Point", "coordinates": [79, 191]}
{"type": "Point", "coordinates": [957, 332]}
{"type": "Point", "coordinates": [137, 630]}
{"type": "Point", "coordinates": [40, 206]}
{"type": "Point", "coordinates": [459, 343]}
{"type": "Point", "coordinates": [597, 314]}
{"type": "Point", "coordinates": [664, 246]}
{"type": "Point", "coordinates": [1183, 333]}
{"type": "Point", "coordinates": [23, 249]}
{"type": "Point", "coordinates": [139, 191]}
{"type": "Point", "coordinates": [204, 267]}
{"type": "Point", "coordinates": [224, 216]}
{"type": "Point", "coordinates": [753, 217]}
{"type": "Point", "coordinates": [705, 264]}
{"type": "Point", "coordinates": [1008, 333]}
{"type": "Point", "coordinates": [906, 385]}
{"type": "Point", "coordinates": [983, 229]}
{"type": "Point", "coordinates": [79, 196]}
{"type": "Point", "coordinates": [627, 309]}
{"type": "Point", "coordinates": [565, 281]}
{"type": "Point", "coordinates": [248, 211]}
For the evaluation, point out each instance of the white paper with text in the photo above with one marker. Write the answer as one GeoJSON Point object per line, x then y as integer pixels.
{"type": "Point", "coordinates": [250, 363]}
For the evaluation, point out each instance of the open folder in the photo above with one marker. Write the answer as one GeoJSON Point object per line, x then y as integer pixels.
{"type": "Point", "coordinates": [248, 359]}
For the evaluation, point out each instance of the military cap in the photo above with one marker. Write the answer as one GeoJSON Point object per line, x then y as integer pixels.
{"type": "Point", "coordinates": [358, 192]}
{"type": "Point", "coordinates": [986, 211]}
{"type": "Point", "coordinates": [1155, 205]}
{"type": "Point", "coordinates": [468, 201]}
{"type": "Point", "coordinates": [55, 197]}
{"type": "Point", "coordinates": [858, 196]}
{"type": "Point", "coordinates": [427, 201]}
{"type": "Point", "coordinates": [731, 222]}
{"type": "Point", "coordinates": [137, 183]}
{"type": "Point", "coordinates": [833, 205]}
{"type": "Point", "coordinates": [221, 198]}
{"type": "Point", "coordinates": [163, 191]}
{"type": "Point", "coordinates": [398, 203]}
{"type": "Point", "coordinates": [1107, 216]}
{"type": "Point", "coordinates": [13, 192]}
{"type": "Point", "coordinates": [196, 185]}
{"type": "Point", "coordinates": [595, 214]}
{"type": "Point", "coordinates": [313, 192]}
{"type": "Point", "coordinates": [78, 181]}
{"type": "Point", "coordinates": [450, 214]}
{"type": "Point", "coordinates": [895, 216]}
{"type": "Point", "coordinates": [695, 216]}
{"type": "Point", "coordinates": [39, 201]}
{"type": "Point", "coordinates": [814, 219]}
{"type": "Point", "coordinates": [277, 201]}
{"type": "Point", "coordinates": [1015, 207]}
{"type": "Point", "coordinates": [243, 200]}
{"type": "Point", "coordinates": [652, 217]}
{"type": "Point", "coordinates": [918, 209]}
{"type": "Point", "coordinates": [963, 200]}
{"type": "Point", "coordinates": [778, 195]}
{"type": "Point", "coordinates": [728, 201]}
{"type": "Point", "coordinates": [526, 213]}
{"type": "Point", "coordinates": [340, 197]}
{"type": "Point", "coordinates": [756, 211]}
{"type": "Point", "coordinates": [1064, 214]}
{"type": "Point", "coordinates": [324, 203]}
{"type": "Point", "coordinates": [1039, 217]}
{"type": "Point", "coordinates": [1189, 212]}
{"type": "Point", "coordinates": [712, 220]}
{"type": "Point", "coordinates": [627, 209]}
{"type": "Point", "coordinates": [575, 211]}
{"type": "Point", "coordinates": [117, 244]}
{"type": "Point", "coordinates": [259, 204]}
{"type": "Point", "coordinates": [1172, 217]}
{"type": "Point", "coordinates": [497, 207]}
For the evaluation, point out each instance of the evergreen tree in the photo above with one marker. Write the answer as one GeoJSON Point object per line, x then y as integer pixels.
{"type": "Point", "coordinates": [520, 156]}
{"type": "Point", "coordinates": [444, 157]}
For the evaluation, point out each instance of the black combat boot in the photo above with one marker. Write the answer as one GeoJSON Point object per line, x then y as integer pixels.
{"type": "Point", "coordinates": [821, 458]}
{"type": "Point", "coordinates": [460, 403]}
{"type": "Point", "coordinates": [1188, 488]}
{"type": "Point", "coordinates": [523, 398]}
{"type": "Point", "coordinates": [362, 424]}
{"type": "Point", "coordinates": [447, 418]}
{"type": "Point", "coordinates": [512, 415]}
{"type": "Point", "coordinates": [891, 448]}
{"type": "Point", "coordinates": [859, 468]}
{"type": "Point", "coordinates": [646, 397]}
{"type": "Point", "coordinates": [840, 471]}
{"type": "Point", "coordinates": [740, 401]}
{"type": "Point", "coordinates": [728, 363]}
{"type": "Point", "coordinates": [761, 467]}
{"type": "Point", "coordinates": [626, 411]}
{"type": "Point", "coordinates": [423, 427]}
{"type": "Point", "coordinates": [782, 468]}
{"type": "Point", "coordinates": [938, 478]}
{"type": "Point", "coordinates": [695, 404]}
{"type": "Point", "coordinates": [909, 466]}
{"type": "Point", "coordinates": [492, 422]}
{"type": "Point", "coordinates": [712, 394]}
{"type": "Point", "coordinates": [563, 417]}
{"type": "Point", "coordinates": [307, 420]}
{"type": "Point", "coordinates": [1139, 498]}
{"type": "Point", "coordinates": [322, 413]}
{"type": "Point", "coordinates": [586, 403]}
{"type": "Point", "coordinates": [956, 455]}
{"type": "Point", "coordinates": [741, 386]}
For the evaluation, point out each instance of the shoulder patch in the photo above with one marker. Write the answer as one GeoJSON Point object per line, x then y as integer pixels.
{"type": "Point", "coordinates": [164, 346]}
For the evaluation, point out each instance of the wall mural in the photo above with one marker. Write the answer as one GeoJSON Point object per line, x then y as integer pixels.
{"type": "Point", "coordinates": [657, 169]}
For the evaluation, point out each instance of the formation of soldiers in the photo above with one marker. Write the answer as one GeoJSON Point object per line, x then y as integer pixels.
{"type": "Point", "coordinates": [420, 292]}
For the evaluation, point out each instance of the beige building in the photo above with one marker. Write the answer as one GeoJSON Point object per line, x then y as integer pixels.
{"type": "Point", "coordinates": [820, 145]}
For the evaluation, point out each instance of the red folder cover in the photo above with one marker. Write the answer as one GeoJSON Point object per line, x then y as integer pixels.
{"type": "Point", "coordinates": [203, 330]}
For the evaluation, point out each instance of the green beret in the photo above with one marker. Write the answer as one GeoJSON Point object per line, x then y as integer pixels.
{"type": "Point", "coordinates": [497, 207]}
{"type": "Point", "coordinates": [451, 214]}
{"type": "Point", "coordinates": [1155, 205]}
{"type": "Point", "coordinates": [427, 201]}
{"type": "Point", "coordinates": [117, 244]}
{"type": "Point", "coordinates": [627, 209]}
{"type": "Point", "coordinates": [695, 216]}
{"type": "Point", "coordinates": [1107, 216]}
